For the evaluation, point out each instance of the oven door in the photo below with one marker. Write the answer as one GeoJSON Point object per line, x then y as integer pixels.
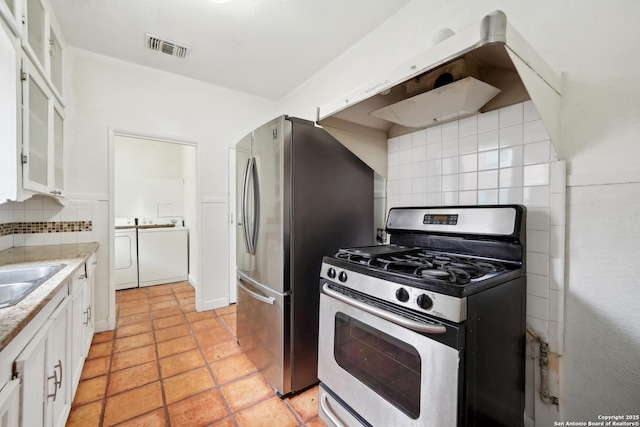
{"type": "Point", "coordinates": [388, 374]}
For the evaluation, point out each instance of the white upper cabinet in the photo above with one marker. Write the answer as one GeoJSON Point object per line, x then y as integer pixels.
{"type": "Point", "coordinates": [42, 134]}
{"type": "Point", "coordinates": [11, 11]}
{"type": "Point", "coordinates": [31, 77]}
{"type": "Point", "coordinates": [43, 43]}
{"type": "Point", "coordinates": [35, 37]}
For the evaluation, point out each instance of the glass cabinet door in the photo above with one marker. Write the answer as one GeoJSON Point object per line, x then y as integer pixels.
{"type": "Point", "coordinates": [35, 122]}
{"type": "Point", "coordinates": [36, 30]}
{"type": "Point", "coordinates": [38, 139]}
{"type": "Point", "coordinates": [55, 53]}
{"type": "Point", "coordinates": [12, 12]}
{"type": "Point", "coordinates": [58, 148]}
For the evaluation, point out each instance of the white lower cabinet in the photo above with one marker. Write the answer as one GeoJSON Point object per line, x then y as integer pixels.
{"type": "Point", "coordinates": [40, 368]}
{"type": "Point", "coordinates": [9, 404]}
{"type": "Point", "coordinates": [82, 324]}
{"type": "Point", "coordinates": [43, 369]}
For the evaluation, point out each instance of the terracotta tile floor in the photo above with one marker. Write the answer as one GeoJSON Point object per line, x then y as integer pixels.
{"type": "Point", "coordinates": [167, 365]}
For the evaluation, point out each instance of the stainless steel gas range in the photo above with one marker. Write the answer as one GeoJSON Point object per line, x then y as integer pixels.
{"type": "Point", "coordinates": [428, 330]}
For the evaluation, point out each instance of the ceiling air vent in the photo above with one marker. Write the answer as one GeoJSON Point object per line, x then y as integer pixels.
{"type": "Point", "coordinates": [166, 46]}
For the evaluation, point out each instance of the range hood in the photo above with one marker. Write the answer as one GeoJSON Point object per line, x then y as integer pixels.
{"type": "Point", "coordinates": [482, 68]}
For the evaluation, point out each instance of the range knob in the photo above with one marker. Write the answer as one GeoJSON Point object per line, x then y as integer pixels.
{"type": "Point", "coordinates": [331, 272]}
{"type": "Point", "coordinates": [342, 276]}
{"type": "Point", "coordinates": [402, 295]}
{"type": "Point", "coordinates": [424, 302]}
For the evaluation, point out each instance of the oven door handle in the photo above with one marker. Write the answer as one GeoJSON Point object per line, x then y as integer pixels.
{"type": "Point", "coordinates": [328, 412]}
{"type": "Point", "coordinates": [402, 321]}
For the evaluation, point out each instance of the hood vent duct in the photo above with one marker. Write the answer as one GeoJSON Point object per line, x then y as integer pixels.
{"type": "Point", "coordinates": [166, 46]}
{"type": "Point", "coordinates": [450, 92]}
{"type": "Point", "coordinates": [482, 68]}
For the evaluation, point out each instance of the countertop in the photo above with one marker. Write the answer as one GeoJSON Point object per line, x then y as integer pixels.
{"type": "Point", "coordinates": [13, 319]}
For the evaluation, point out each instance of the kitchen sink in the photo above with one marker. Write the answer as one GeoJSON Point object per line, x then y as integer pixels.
{"type": "Point", "coordinates": [16, 284]}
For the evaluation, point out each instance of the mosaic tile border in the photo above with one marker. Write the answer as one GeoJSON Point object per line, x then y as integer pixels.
{"type": "Point", "coordinates": [45, 227]}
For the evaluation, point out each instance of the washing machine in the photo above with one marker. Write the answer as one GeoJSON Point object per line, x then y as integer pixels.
{"type": "Point", "coordinates": [126, 253]}
{"type": "Point", "coordinates": [163, 254]}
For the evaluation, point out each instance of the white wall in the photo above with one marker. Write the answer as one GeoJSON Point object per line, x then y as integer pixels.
{"type": "Point", "coordinates": [148, 173]}
{"type": "Point", "coordinates": [103, 94]}
{"type": "Point", "coordinates": [595, 46]}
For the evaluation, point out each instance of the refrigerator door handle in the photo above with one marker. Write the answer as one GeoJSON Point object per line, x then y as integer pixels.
{"type": "Point", "coordinates": [268, 300]}
{"type": "Point", "coordinates": [244, 277]}
{"type": "Point", "coordinates": [244, 208]}
{"type": "Point", "coordinates": [256, 205]}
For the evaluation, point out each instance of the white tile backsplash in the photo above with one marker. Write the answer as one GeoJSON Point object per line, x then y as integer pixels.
{"type": "Point", "coordinates": [511, 177]}
{"type": "Point", "coordinates": [510, 136]}
{"type": "Point", "coordinates": [500, 157]}
{"type": "Point", "coordinates": [537, 263]}
{"type": "Point", "coordinates": [418, 169]}
{"type": "Point", "coordinates": [508, 196]}
{"type": "Point", "coordinates": [511, 115]}
{"type": "Point", "coordinates": [434, 134]}
{"type": "Point", "coordinates": [393, 144]}
{"type": "Point", "coordinates": [537, 152]}
{"type": "Point", "coordinates": [538, 285]}
{"type": "Point", "coordinates": [468, 163]}
{"type": "Point", "coordinates": [488, 180]}
{"type": "Point", "coordinates": [488, 160]}
{"type": "Point", "coordinates": [406, 141]}
{"type": "Point", "coordinates": [419, 138]}
{"type": "Point", "coordinates": [419, 153]}
{"type": "Point", "coordinates": [393, 158]}
{"type": "Point", "coordinates": [450, 148]}
{"type": "Point", "coordinates": [538, 241]}
{"type": "Point", "coordinates": [530, 111]}
{"type": "Point", "coordinates": [434, 151]}
{"type": "Point", "coordinates": [434, 184]}
{"type": "Point", "coordinates": [468, 144]}
{"type": "Point", "coordinates": [450, 130]}
{"type": "Point", "coordinates": [468, 181]}
{"type": "Point", "coordinates": [488, 140]}
{"type": "Point", "coordinates": [468, 126]}
{"type": "Point", "coordinates": [449, 182]}
{"type": "Point", "coordinates": [511, 157]}
{"type": "Point", "coordinates": [536, 196]}
{"type": "Point", "coordinates": [450, 165]}
{"type": "Point", "coordinates": [536, 175]}
{"type": "Point", "coordinates": [535, 131]}
{"type": "Point", "coordinates": [488, 121]}
{"type": "Point", "coordinates": [405, 156]}
{"type": "Point", "coordinates": [468, 197]}
{"type": "Point", "coordinates": [488, 197]}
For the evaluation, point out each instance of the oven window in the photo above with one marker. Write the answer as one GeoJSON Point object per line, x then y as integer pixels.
{"type": "Point", "coordinates": [385, 364]}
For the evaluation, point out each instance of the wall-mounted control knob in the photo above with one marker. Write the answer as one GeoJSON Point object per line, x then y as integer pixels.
{"type": "Point", "coordinates": [342, 276]}
{"type": "Point", "coordinates": [331, 273]}
{"type": "Point", "coordinates": [424, 302]}
{"type": "Point", "coordinates": [402, 295]}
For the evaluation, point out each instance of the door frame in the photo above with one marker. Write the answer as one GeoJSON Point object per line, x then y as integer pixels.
{"type": "Point", "coordinates": [233, 217]}
{"type": "Point", "coordinates": [194, 231]}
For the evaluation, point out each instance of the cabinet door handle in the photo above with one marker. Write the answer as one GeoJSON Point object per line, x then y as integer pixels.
{"type": "Point", "coordinates": [57, 382]}
{"type": "Point", "coordinates": [88, 313]}
{"type": "Point", "coordinates": [60, 367]}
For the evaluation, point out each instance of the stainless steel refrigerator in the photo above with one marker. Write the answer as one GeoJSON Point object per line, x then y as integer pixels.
{"type": "Point", "coordinates": [301, 195]}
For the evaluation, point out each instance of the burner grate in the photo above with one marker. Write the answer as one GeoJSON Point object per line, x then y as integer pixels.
{"type": "Point", "coordinates": [424, 265]}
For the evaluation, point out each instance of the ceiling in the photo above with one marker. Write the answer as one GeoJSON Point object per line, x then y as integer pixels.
{"type": "Point", "coordinates": [262, 47]}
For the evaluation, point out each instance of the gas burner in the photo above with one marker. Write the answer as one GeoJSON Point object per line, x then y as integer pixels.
{"type": "Point", "coordinates": [420, 264]}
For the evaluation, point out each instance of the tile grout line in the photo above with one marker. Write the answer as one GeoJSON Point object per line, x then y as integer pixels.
{"type": "Point", "coordinates": [165, 405]}
{"type": "Point", "coordinates": [185, 320]}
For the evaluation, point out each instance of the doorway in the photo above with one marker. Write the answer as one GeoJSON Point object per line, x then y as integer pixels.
{"type": "Point", "coordinates": [154, 177]}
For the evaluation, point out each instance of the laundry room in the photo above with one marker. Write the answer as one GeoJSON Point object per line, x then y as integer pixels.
{"type": "Point", "coordinates": [154, 209]}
